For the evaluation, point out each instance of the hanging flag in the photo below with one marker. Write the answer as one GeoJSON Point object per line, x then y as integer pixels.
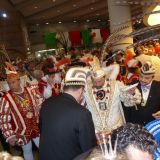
{"type": "Point", "coordinates": [86, 37]}
{"type": "Point", "coordinates": [96, 36]}
{"type": "Point", "coordinates": [50, 40]}
{"type": "Point", "coordinates": [75, 38]}
{"type": "Point", "coordinates": [66, 35]}
{"type": "Point", "coordinates": [104, 34]}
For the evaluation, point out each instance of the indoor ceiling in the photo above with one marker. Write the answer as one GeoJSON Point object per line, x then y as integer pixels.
{"type": "Point", "coordinates": [62, 11]}
{"type": "Point", "coordinates": [57, 11]}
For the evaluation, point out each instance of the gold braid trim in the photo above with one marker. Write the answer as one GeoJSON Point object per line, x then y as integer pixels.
{"type": "Point", "coordinates": [74, 83]}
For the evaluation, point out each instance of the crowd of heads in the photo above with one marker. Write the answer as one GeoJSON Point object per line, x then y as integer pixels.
{"type": "Point", "coordinates": [135, 136]}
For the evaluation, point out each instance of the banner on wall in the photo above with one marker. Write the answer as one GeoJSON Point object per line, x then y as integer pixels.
{"type": "Point", "coordinates": [85, 37]}
{"type": "Point", "coordinates": [50, 40]}
{"type": "Point", "coordinates": [75, 38]}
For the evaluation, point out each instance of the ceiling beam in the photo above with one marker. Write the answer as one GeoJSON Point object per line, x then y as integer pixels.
{"type": "Point", "coordinates": [60, 7]}
{"type": "Point", "coordinates": [25, 3]}
{"type": "Point", "coordinates": [83, 9]}
{"type": "Point", "coordinates": [87, 12]}
{"type": "Point", "coordinates": [101, 11]}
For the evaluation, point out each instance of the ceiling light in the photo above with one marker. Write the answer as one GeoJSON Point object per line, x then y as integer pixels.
{"type": "Point", "coordinates": [124, 1]}
{"type": "Point", "coordinates": [4, 15]}
{"type": "Point", "coordinates": [97, 14]}
{"type": "Point", "coordinates": [99, 20]}
{"type": "Point", "coordinates": [58, 11]}
{"type": "Point", "coordinates": [35, 7]}
{"type": "Point", "coordinates": [153, 19]}
{"type": "Point", "coordinates": [47, 23]}
{"type": "Point", "coordinates": [74, 5]}
{"type": "Point", "coordinates": [53, 0]}
{"type": "Point", "coordinates": [37, 24]}
{"type": "Point", "coordinates": [87, 20]}
{"type": "Point", "coordinates": [38, 55]}
{"type": "Point", "coordinates": [59, 22]}
{"type": "Point", "coordinates": [74, 21]}
{"type": "Point", "coordinates": [92, 8]}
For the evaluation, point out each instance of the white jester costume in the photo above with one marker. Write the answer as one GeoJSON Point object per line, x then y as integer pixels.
{"type": "Point", "coordinates": [105, 103]}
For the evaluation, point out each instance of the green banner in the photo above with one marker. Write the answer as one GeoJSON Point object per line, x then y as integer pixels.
{"type": "Point", "coordinates": [50, 40]}
{"type": "Point", "coordinates": [86, 37]}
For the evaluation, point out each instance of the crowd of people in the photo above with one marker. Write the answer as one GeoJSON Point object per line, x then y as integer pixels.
{"type": "Point", "coordinates": [70, 107]}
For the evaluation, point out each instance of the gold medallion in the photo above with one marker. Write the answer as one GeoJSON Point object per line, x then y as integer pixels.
{"type": "Point", "coordinates": [29, 115]}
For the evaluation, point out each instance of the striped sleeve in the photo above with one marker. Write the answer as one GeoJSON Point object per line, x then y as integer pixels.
{"type": "Point", "coordinates": [5, 119]}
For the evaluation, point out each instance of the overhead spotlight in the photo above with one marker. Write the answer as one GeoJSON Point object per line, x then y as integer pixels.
{"type": "Point", "coordinates": [74, 5]}
{"type": "Point", "coordinates": [37, 24]}
{"type": "Point", "coordinates": [38, 55]}
{"type": "Point", "coordinates": [47, 23]}
{"type": "Point", "coordinates": [59, 22]}
{"type": "Point", "coordinates": [74, 21]}
{"type": "Point", "coordinates": [35, 7]}
{"type": "Point", "coordinates": [87, 20]}
{"type": "Point", "coordinates": [99, 20]}
{"type": "Point", "coordinates": [92, 8]}
{"type": "Point", "coordinates": [4, 15]}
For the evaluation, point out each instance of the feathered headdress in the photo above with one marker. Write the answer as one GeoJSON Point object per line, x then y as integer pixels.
{"type": "Point", "coordinates": [11, 72]}
{"type": "Point", "coordinates": [108, 150]}
{"type": "Point", "coordinates": [97, 71]}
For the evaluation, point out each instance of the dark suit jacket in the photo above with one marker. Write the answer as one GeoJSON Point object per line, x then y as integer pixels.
{"type": "Point", "coordinates": [144, 113]}
{"type": "Point", "coordinates": [67, 129]}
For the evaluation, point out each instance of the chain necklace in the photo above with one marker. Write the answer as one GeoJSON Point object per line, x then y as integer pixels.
{"type": "Point", "coordinates": [101, 97]}
{"type": "Point", "coordinates": [24, 102]}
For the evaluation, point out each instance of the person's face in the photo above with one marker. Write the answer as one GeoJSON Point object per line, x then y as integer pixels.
{"type": "Point", "coordinates": [145, 80]}
{"type": "Point", "coordinates": [98, 83]}
{"type": "Point", "coordinates": [14, 85]}
{"type": "Point", "coordinates": [134, 153]}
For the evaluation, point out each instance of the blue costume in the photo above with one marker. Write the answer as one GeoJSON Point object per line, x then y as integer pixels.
{"type": "Point", "coordinates": [154, 128]}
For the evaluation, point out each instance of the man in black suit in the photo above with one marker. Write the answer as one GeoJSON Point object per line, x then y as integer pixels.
{"type": "Point", "coordinates": [67, 128]}
{"type": "Point", "coordinates": [149, 108]}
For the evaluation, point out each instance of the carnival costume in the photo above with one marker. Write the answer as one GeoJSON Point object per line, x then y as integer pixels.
{"type": "Point", "coordinates": [46, 88]}
{"type": "Point", "coordinates": [19, 115]}
{"type": "Point", "coordinates": [105, 103]}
